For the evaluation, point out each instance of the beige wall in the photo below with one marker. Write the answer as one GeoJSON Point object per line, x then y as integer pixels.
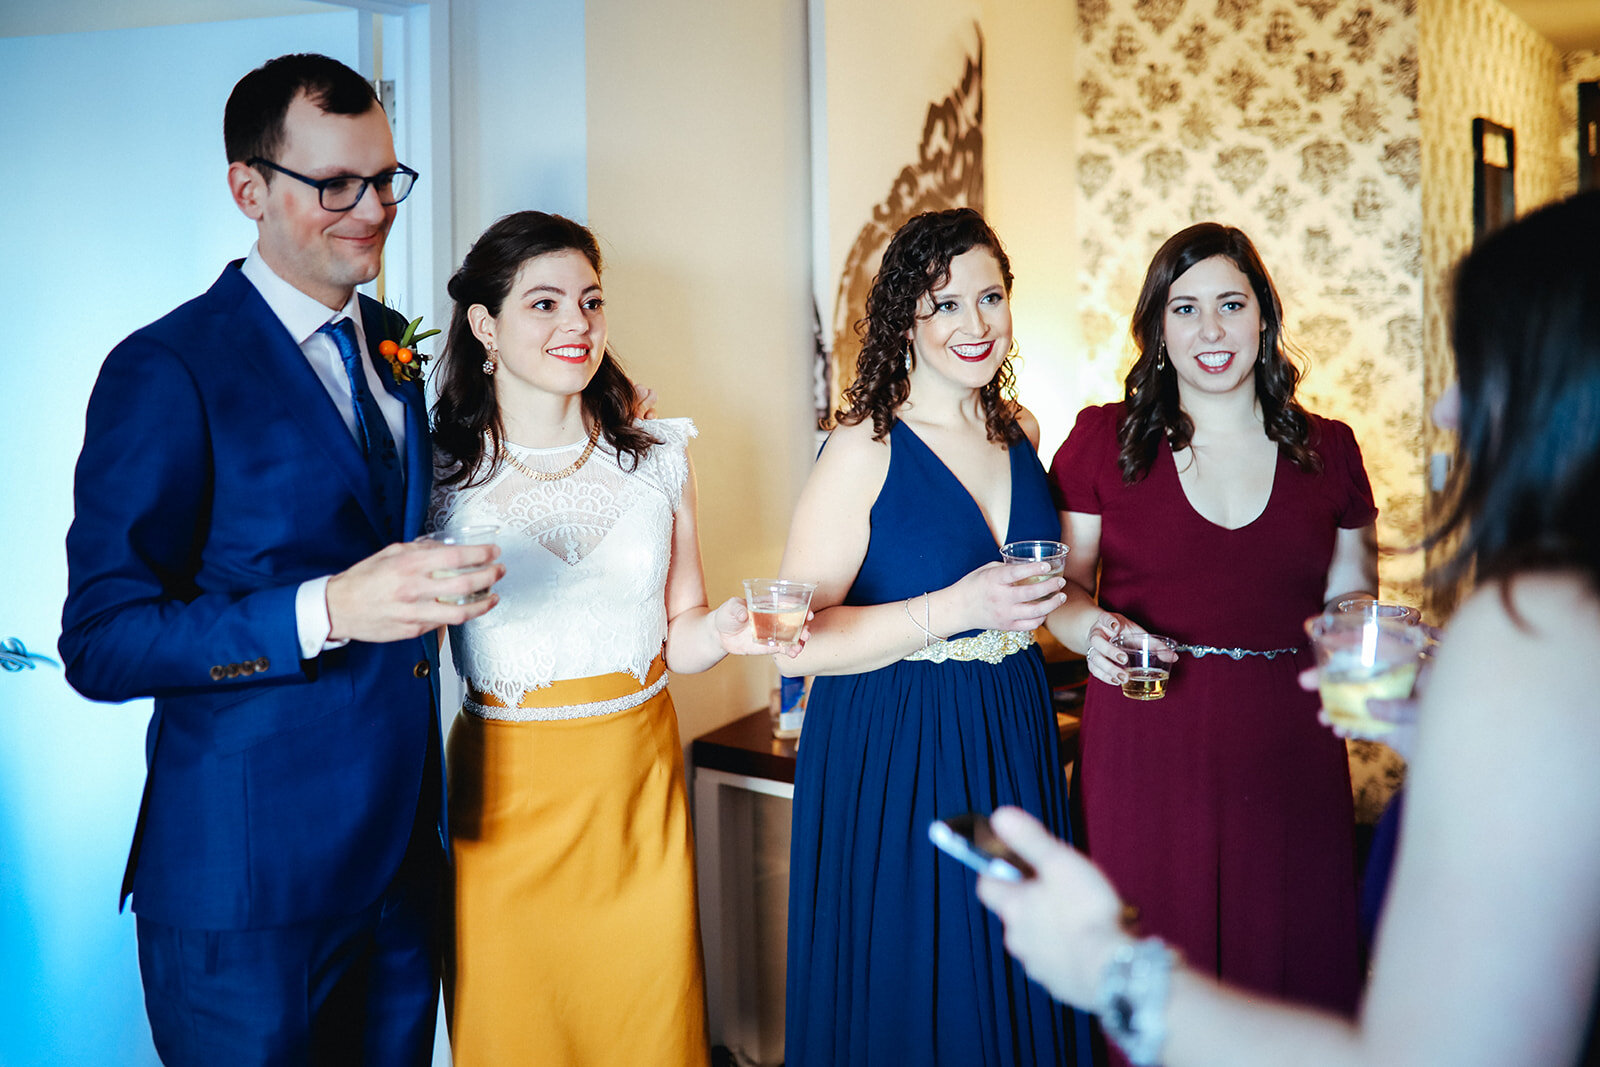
{"type": "Point", "coordinates": [1030, 136]}
{"type": "Point", "coordinates": [698, 179]}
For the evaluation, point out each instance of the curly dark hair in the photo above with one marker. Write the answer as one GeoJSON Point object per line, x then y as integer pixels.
{"type": "Point", "coordinates": [466, 417]}
{"type": "Point", "coordinates": [1151, 411]}
{"type": "Point", "coordinates": [1524, 492]}
{"type": "Point", "coordinates": [916, 262]}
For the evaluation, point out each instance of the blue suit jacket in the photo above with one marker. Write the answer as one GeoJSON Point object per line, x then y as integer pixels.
{"type": "Point", "coordinates": [216, 476]}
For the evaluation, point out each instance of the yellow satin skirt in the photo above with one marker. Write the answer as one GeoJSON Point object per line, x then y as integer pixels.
{"type": "Point", "coordinates": [576, 935]}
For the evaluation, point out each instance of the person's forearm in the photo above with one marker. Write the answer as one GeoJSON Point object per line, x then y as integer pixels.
{"type": "Point", "coordinates": [1071, 622]}
{"type": "Point", "coordinates": [854, 639]}
{"type": "Point", "coordinates": [693, 644]}
{"type": "Point", "coordinates": [1212, 1026]}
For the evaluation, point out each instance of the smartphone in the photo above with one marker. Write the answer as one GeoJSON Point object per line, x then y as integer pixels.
{"type": "Point", "coordinates": [970, 839]}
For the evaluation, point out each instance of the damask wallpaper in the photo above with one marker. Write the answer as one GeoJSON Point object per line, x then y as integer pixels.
{"type": "Point", "coordinates": [1297, 121]}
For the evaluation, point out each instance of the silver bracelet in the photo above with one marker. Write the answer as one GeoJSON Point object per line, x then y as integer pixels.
{"type": "Point", "coordinates": [928, 636]}
{"type": "Point", "coordinates": [1132, 1001]}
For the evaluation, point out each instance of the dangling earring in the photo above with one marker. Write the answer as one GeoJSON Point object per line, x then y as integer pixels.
{"type": "Point", "coordinates": [1161, 358]}
{"type": "Point", "coordinates": [1263, 346]}
{"type": "Point", "coordinates": [488, 362]}
{"type": "Point", "coordinates": [908, 357]}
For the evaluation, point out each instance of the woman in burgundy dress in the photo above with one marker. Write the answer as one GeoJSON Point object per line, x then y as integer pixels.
{"type": "Point", "coordinates": [1221, 514]}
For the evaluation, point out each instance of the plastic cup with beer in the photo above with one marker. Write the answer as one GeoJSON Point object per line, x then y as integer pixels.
{"type": "Point", "coordinates": [1150, 660]}
{"type": "Point", "coordinates": [1382, 609]}
{"type": "Point", "coordinates": [778, 609]}
{"type": "Point", "coordinates": [1052, 552]}
{"type": "Point", "coordinates": [1360, 656]}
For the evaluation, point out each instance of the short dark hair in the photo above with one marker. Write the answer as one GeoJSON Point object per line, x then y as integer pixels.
{"type": "Point", "coordinates": [916, 263]}
{"type": "Point", "coordinates": [1525, 488]}
{"type": "Point", "coordinates": [1151, 411]}
{"type": "Point", "coordinates": [467, 426]}
{"type": "Point", "coordinates": [252, 123]}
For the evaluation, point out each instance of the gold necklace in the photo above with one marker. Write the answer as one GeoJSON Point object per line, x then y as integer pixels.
{"type": "Point", "coordinates": [567, 471]}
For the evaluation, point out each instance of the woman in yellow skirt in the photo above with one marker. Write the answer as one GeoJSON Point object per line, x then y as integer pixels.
{"type": "Point", "coordinates": [575, 939]}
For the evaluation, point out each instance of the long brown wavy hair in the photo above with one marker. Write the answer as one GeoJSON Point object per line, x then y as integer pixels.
{"type": "Point", "coordinates": [1151, 410]}
{"type": "Point", "coordinates": [466, 417]}
{"type": "Point", "coordinates": [916, 263]}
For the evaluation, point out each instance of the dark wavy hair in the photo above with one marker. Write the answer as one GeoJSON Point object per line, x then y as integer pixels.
{"type": "Point", "coordinates": [1525, 489]}
{"type": "Point", "coordinates": [466, 417]}
{"type": "Point", "coordinates": [1151, 411]}
{"type": "Point", "coordinates": [916, 263]}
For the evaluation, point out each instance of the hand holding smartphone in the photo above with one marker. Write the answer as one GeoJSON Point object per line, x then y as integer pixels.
{"type": "Point", "coordinates": [970, 839]}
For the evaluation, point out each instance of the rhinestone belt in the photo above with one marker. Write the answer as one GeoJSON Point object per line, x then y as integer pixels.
{"type": "Point", "coordinates": [991, 646]}
{"type": "Point", "coordinates": [567, 711]}
{"type": "Point", "coordinates": [1202, 651]}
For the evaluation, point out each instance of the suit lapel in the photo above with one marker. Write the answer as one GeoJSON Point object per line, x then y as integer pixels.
{"type": "Point", "coordinates": [419, 450]}
{"type": "Point", "coordinates": [289, 379]}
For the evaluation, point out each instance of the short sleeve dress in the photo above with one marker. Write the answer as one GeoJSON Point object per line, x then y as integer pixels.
{"type": "Point", "coordinates": [1223, 811]}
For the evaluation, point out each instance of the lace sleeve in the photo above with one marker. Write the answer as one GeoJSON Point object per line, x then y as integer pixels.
{"type": "Point", "coordinates": [669, 462]}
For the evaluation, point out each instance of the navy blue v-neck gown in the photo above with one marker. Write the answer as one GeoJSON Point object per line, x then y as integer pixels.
{"type": "Point", "coordinates": [892, 959]}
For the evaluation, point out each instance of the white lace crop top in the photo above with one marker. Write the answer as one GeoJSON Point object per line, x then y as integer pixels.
{"type": "Point", "coordinates": [586, 560]}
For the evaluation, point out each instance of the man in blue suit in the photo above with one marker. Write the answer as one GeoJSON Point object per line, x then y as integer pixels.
{"type": "Point", "coordinates": [251, 478]}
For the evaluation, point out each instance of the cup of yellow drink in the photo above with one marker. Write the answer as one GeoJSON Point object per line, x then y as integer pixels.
{"type": "Point", "coordinates": [1364, 656]}
{"type": "Point", "coordinates": [1052, 553]}
{"type": "Point", "coordinates": [1383, 609]}
{"type": "Point", "coordinates": [1148, 663]}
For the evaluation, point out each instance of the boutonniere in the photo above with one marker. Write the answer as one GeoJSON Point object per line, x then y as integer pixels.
{"type": "Point", "coordinates": [405, 362]}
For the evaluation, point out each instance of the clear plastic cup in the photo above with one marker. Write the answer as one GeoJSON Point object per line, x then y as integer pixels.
{"type": "Point", "coordinates": [778, 609]}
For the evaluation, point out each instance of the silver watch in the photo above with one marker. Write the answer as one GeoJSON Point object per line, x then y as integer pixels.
{"type": "Point", "coordinates": [1132, 1001]}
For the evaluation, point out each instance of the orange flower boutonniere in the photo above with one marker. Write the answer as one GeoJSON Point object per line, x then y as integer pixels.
{"type": "Point", "coordinates": [405, 362]}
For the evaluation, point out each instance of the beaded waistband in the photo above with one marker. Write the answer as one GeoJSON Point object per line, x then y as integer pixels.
{"type": "Point", "coordinates": [991, 646]}
{"type": "Point", "coordinates": [586, 710]}
{"type": "Point", "coordinates": [1202, 651]}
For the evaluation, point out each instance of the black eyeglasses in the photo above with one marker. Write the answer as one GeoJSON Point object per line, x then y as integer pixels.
{"type": "Point", "coordinates": [345, 191]}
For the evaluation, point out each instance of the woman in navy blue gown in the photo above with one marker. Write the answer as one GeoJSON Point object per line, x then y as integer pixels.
{"type": "Point", "coordinates": [930, 697]}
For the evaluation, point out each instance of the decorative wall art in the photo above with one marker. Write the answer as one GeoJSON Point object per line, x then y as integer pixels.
{"type": "Point", "coordinates": [895, 138]}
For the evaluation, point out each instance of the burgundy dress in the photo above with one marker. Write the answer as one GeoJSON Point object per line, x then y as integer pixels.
{"type": "Point", "coordinates": [1223, 811]}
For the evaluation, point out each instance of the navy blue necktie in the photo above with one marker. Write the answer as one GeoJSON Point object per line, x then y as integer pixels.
{"type": "Point", "coordinates": [372, 432]}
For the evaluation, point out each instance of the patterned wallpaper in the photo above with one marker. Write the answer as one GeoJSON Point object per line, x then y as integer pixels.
{"type": "Point", "coordinates": [1295, 120]}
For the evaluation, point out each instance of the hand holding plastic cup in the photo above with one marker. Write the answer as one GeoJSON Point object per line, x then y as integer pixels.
{"type": "Point", "coordinates": [461, 535]}
{"type": "Point", "coordinates": [1362, 656]}
{"type": "Point", "coordinates": [1053, 553]}
{"type": "Point", "coordinates": [778, 610]}
{"type": "Point", "coordinates": [1150, 659]}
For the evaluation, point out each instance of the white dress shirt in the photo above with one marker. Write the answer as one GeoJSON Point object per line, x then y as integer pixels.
{"type": "Point", "coordinates": [303, 316]}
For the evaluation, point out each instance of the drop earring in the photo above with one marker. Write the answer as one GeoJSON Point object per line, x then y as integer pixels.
{"type": "Point", "coordinates": [488, 362]}
{"type": "Point", "coordinates": [1161, 357]}
{"type": "Point", "coordinates": [908, 357]}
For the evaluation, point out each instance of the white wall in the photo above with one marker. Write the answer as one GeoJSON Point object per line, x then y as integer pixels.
{"type": "Point", "coordinates": [115, 211]}
{"type": "Point", "coordinates": [518, 131]}
{"type": "Point", "coordinates": [699, 190]}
